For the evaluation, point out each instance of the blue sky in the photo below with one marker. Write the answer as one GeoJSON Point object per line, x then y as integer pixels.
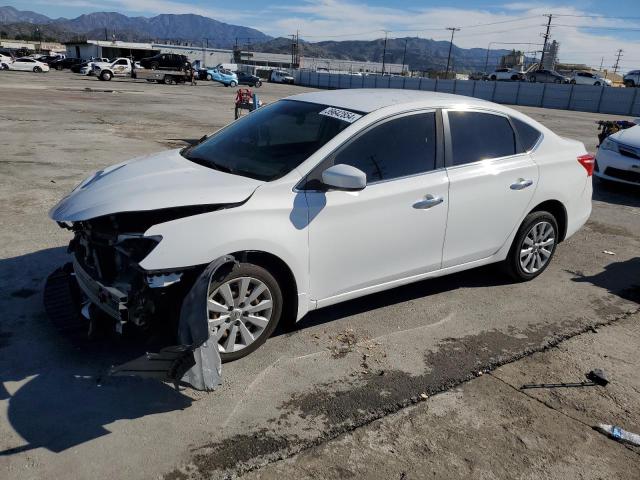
{"type": "Point", "coordinates": [585, 35]}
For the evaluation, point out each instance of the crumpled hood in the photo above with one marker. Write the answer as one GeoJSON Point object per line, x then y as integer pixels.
{"type": "Point", "coordinates": [162, 180]}
{"type": "Point", "coordinates": [629, 136]}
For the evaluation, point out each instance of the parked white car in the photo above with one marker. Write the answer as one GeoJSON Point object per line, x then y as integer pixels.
{"type": "Point", "coordinates": [5, 58]}
{"type": "Point", "coordinates": [320, 198]}
{"type": "Point", "coordinates": [588, 78]}
{"type": "Point", "coordinates": [27, 64]}
{"type": "Point", "coordinates": [618, 157]}
{"type": "Point", "coordinates": [506, 74]}
{"type": "Point", "coordinates": [632, 79]}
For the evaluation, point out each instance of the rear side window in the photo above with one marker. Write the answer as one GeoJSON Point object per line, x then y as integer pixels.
{"type": "Point", "coordinates": [397, 148]}
{"type": "Point", "coordinates": [528, 135]}
{"type": "Point", "coordinates": [479, 136]}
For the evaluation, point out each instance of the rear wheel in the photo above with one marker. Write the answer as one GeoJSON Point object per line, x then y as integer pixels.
{"type": "Point", "coordinates": [629, 84]}
{"type": "Point", "coordinates": [209, 77]}
{"type": "Point", "coordinates": [533, 246]}
{"type": "Point", "coordinates": [106, 76]}
{"type": "Point", "coordinates": [493, 77]}
{"type": "Point", "coordinates": [533, 78]}
{"type": "Point", "coordinates": [168, 80]}
{"type": "Point", "coordinates": [257, 84]}
{"type": "Point", "coordinates": [232, 83]}
{"type": "Point", "coordinates": [244, 307]}
{"type": "Point", "coordinates": [597, 84]}
{"type": "Point", "coordinates": [154, 66]}
{"type": "Point", "coordinates": [58, 67]}
{"type": "Point", "coordinates": [572, 82]}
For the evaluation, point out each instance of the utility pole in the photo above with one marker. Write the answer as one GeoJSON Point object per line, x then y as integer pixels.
{"type": "Point", "coordinates": [404, 55]}
{"type": "Point", "coordinates": [546, 39]}
{"type": "Point", "coordinates": [453, 31]}
{"type": "Point", "coordinates": [618, 55]}
{"type": "Point", "coordinates": [384, 51]}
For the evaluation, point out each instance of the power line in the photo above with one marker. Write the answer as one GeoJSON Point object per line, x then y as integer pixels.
{"type": "Point", "coordinates": [453, 31]}
{"type": "Point", "coordinates": [546, 39]}
{"type": "Point", "coordinates": [615, 67]}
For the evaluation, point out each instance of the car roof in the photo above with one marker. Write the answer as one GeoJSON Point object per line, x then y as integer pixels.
{"type": "Point", "coordinates": [369, 99]}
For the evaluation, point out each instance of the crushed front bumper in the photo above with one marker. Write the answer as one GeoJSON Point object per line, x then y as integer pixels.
{"type": "Point", "coordinates": [110, 300]}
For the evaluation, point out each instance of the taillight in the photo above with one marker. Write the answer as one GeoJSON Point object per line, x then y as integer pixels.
{"type": "Point", "coordinates": [587, 161]}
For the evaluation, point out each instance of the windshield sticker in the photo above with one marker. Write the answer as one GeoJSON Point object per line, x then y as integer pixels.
{"type": "Point", "coordinates": [343, 115]}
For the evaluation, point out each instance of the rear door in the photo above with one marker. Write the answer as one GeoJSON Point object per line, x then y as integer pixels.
{"type": "Point", "coordinates": [491, 184]}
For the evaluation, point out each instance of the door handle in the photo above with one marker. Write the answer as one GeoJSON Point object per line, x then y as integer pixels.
{"type": "Point", "coordinates": [428, 202]}
{"type": "Point", "coordinates": [521, 184]}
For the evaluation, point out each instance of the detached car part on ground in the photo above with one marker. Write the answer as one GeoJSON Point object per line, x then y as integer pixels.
{"type": "Point", "coordinates": [314, 200]}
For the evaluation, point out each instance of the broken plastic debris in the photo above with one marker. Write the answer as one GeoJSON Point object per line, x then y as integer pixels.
{"type": "Point", "coordinates": [618, 434]}
{"type": "Point", "coordinates": [608, 252]}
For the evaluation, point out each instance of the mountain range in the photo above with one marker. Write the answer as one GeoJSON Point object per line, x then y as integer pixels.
{"type": "Point", "coordinates": [421, 53]}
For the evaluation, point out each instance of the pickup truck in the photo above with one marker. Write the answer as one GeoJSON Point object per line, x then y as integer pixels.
{"type": "Point", "coordinates": [121, 67]}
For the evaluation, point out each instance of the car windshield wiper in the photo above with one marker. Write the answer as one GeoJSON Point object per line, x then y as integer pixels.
{"type": "Point", "coordinates": [210, 163]}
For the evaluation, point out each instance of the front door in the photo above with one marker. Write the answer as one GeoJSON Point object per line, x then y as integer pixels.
{"type": "Point", "coordinates": [394, 228]}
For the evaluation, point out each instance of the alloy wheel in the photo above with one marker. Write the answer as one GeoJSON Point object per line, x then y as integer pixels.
{"type": "Point", "coordinates": [537, 247]}
{"type": "Point", "coordinates": [239, 311]}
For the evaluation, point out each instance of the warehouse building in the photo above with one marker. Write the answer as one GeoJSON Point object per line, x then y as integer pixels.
{"type": "Point", "coordinates": [211, 57]}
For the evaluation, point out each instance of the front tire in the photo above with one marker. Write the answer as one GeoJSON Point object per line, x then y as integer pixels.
{"type": "Point", "coordinates": [597, 84]}
{"type": "Point", "coordinates": [244, 308]}
{"type": "Point", "coordinates": [37, 70]}
{"type": "Point", "coordinates": [533, 247]}
{"type": "Point", "coordinates": [232, 84]}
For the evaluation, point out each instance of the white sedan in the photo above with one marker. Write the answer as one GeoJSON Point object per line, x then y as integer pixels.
{"type": "Point", "coordinates": [588, 78]}
{"type": "Point", "coordinates": [321, 198]}
{"type": "Point", "coordinates": [27, 64]}
{"type": "Point", "coordinates": [506, 74]}
{"type": "Point", "coordinates": [618, 157]}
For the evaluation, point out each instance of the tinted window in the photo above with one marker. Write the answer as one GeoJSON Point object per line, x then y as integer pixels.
{"type": "Point", "coordinates": [477, 136]}
{"type": "Point", "coordinates": [269, 142]}
{"type": "Point", "coordinates": [528, 135]}
{"type": "Point", "coordinates": [397, 148]}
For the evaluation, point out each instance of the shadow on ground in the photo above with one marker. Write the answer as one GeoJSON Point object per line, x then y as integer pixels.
{"type": "Point", "coordinates": [55, 384]}
{"type": "Point", "coordinates": [619, 278]}
{"type": "Point", "coordinates": [487, 276]}
{"type": "Point", "coordinates": [616, 193]}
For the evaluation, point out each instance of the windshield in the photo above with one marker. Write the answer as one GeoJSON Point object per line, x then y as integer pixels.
{"type": "Point", "coordinates": [271, 141]}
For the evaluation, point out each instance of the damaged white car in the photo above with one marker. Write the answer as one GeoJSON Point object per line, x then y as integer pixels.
{"type": "Point", "coordinates": [317, 199]}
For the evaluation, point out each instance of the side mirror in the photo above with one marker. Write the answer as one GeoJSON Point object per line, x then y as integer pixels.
{"type": "Point", "coordinates": [344, 177]}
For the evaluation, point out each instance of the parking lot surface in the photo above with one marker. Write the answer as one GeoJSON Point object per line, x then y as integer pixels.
{"type": "Point", "coordinates": [339, 368]}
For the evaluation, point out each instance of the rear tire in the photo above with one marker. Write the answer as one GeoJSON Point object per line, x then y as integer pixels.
{"type": "Point", "coordinates": [572, 82]}
{"type": "Point", "coordinates": [533, 246]}
{"type": "Point", "coordinates": [232, 277]}
{"type": "Point", "coordinates": [106, 76]}
{"type": "Point", "coordinates": [597, 84]}
{"type": "Point", "coordinates": [493, 77]}
{"type": "Point", "coordinates": [233, 84]}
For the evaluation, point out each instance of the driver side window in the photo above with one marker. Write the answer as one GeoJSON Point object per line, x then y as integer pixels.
{"type": "Point", "coordinates": [397, 148]}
